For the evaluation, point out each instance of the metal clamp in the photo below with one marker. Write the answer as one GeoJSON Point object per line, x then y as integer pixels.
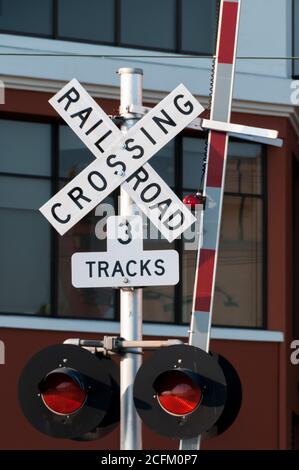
{"type": "Point", "coordinates": [117, 345]}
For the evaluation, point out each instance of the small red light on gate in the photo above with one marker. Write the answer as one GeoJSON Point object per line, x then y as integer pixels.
{"type": "Point", "coordinates": [194, 200]}
{"type": "Point", "coordinates": [177, 393]}
{"type": "Point", "coordinates": [191, 200]}
{"type": "Point", "coordinates": [63, 392]}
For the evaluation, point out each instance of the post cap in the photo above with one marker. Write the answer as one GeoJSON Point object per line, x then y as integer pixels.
{"type": "Point", "coordinates": [131, 70]}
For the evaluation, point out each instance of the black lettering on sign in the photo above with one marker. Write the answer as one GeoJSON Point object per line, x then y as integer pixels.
{"type": "Point", "coordinates": [172, 218]}
{"type": "Point", "coordinates": [117, 163]}
{"type": "Point", "coordinates": [94, 127]}
{"type": "Point", "coordinates": [141, 175]}
{"type": "Point", "coordinates": [97, 143]}
{"type": "Point", "coordinates": [132, 261]}
{"type": "Point", "coordinates": [143, 267]}
{"type": "Point", "coordinates": [150, 138]}
{"type": "Point", "coordinates": [90, 263]}
{"type": "Point", "coordinates": [160, 121]}
{"type": "Point", "coordinates": [117, 269]}
{"type": "Point", "coordinates": [56, 217]}
{"type": "Point", "coordinates": [159, 265]}
{"type": "Point", "coordinates": [134, 147]}
{"type": "Point", "coordinates": [187, 106]}
{"type": "Point", "coordinates": [162, 206]}
{"type": "Point", "coordinates": [72, 96]}
{"type": "Point", "coordinates": [147, 190]}
{"type": "Point", "coordinates": [83, 115]}
{"type": "Point", "coordinates": [103, 266]}
{"type": "Point", "coordinates": [80, 195]}
{"type": "Point", "coordinates": [126, 235]}
{"type": "Point", "coordinates": [101, 180]}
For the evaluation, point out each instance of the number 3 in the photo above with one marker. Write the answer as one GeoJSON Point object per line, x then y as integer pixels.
{"type": "Point", "coordinates": [126, 234]}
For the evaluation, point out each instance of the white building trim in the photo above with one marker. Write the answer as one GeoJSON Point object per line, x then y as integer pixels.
{"type": "Point", "coordinates": [149, 329]}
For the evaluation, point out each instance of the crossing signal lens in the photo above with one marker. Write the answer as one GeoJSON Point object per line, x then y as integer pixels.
{"type": "Point", "coordinates": [63, 391]}
{"type": "Point", "coordinates": [177, 393]}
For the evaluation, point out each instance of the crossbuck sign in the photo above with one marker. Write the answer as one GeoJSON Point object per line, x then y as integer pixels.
{"type": "Point", "coordinates": [121, 159]}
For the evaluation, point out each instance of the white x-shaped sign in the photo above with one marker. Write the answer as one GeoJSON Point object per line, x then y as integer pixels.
{"type": "Point", "coordinates": [121, 159]}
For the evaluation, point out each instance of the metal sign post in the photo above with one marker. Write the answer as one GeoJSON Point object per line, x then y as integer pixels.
{"type": "Point", "coordinates": [130, 298]}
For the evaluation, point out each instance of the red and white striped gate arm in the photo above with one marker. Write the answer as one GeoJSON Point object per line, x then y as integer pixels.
{"type": "Point", "coordinates": [204, 287]}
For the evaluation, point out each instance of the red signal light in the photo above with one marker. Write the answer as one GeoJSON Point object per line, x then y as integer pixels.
{"type": "Point", "coordinates": [194, 200]}
{"type": "Point", "coordinates": [63, 391]}
{"type": "Point", "coordinates": [191, 200]}
{"type": "Point", "coordinates": [177, 393]}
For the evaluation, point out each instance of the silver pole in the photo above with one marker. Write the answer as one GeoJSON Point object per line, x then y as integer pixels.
{"type": "Point", "coordinates": [130, 299]}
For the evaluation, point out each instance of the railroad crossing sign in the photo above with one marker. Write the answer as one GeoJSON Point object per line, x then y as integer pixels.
{"type": "Point", "coordinates": [125, 264]}
{"type": "Point", "coordinates": [121, 159]}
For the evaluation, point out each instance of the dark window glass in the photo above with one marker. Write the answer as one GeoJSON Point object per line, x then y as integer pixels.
{"type": "Point", "coordinates": [193, 155]}
{"type": "Point", "coordinates": [74, 156]}
{"type": "Point", "coordinates": [158, 301]}
{"type": "Point", "coordinates": [91, 20]}
{"type": "Point", "coordinates": [26, 16]}
{"type": "Point", "coordinates": [25, 268]}
{"type": "Point", "coordinates": [198, 26]}
{"type": "Point", "coordinates": [150, 24]}
{"type": "Point", "coordinates": [24, 246]}
{"type": "Point", "coordinates": [238, 295]}
{"type": "Point", "coordinates": [163, 163]}
{"type": "Point", "coordinates": [25, 148]}
{"type": "Point", "coordinates": [244, 171]}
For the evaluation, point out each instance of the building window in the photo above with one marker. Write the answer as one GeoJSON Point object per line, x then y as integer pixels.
{"type": "Point", "coordinates": [35, 273]}
{"type": "Point", "coordinates": [168, 25]}
{"type": "Point", "coordinates": [28, 17]}
{"type": "Point", "coordinates": [91, 20]}
{"type": "Point", "coordinates": [149, 24]}
{"type": "Point", "coordinates": [239, 291]}
{"type": "Point", "coordinates": [25, 174]}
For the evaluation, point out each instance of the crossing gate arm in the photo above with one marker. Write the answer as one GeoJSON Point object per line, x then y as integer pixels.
{"type": "Point", "coordinates": [201, 317]}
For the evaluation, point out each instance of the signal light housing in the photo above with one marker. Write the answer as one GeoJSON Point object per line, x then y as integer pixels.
{"type": "Point", "coordinates": [67, 392]}
{"type": "Point", "coordinates": [203, 401]}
